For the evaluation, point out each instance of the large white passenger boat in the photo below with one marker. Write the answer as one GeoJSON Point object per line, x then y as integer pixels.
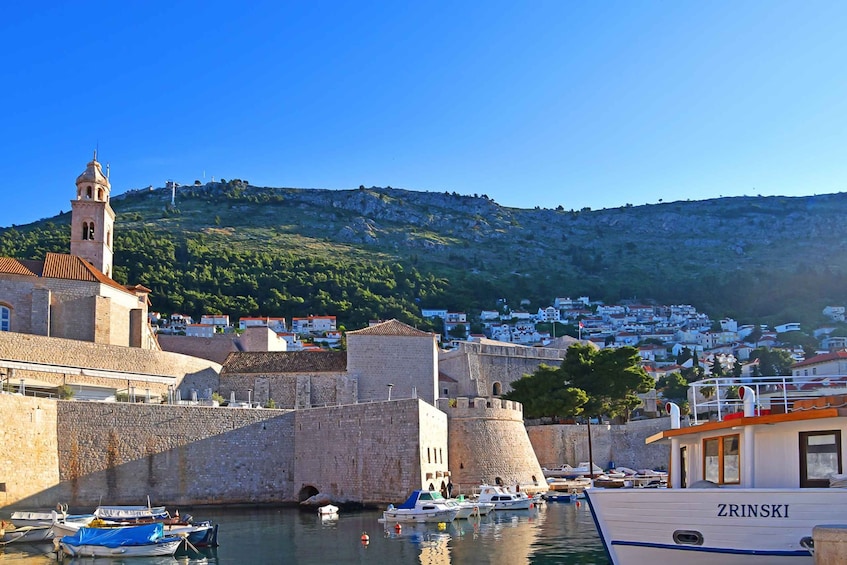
{"type": "Point", "coordinates": [746, 487]}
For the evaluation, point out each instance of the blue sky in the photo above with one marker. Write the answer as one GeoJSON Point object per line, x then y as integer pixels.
{"type": "Point", "coordinates": [566, 103]}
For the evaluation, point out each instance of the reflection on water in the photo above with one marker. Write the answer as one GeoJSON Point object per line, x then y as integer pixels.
{"type": "Point", "coordinates": [561, 533]}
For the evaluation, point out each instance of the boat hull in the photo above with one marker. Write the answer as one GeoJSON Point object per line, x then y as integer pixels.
{"type": "Point", "coordinates": [726, 525]}
{"type": "Point", "coordinates": [150, 550]}
{"type": "Point", "coordinates": [419, 516]}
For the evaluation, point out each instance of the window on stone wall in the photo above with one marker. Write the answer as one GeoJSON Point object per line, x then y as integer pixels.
{"type": "Point", "coordinates": [5, 318]}
{"type": "Point", "coordinates": [84, 230]}
{"type": "Point", "coordinates": [496, 389]}
{"type": "Point", "coordinates": [88, 192]}
{"type": "Point", "coordinates": [90, 231]}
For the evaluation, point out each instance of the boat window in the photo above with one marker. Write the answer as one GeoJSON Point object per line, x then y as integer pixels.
{"type": "Point", "coordinates": [683, 466]}
{"type": "Point", "coordinates": [820, 456]}
{"type": "Point", "coordinates": [722, 459]}
{"type": "Point", "coordinates": [688, 537]}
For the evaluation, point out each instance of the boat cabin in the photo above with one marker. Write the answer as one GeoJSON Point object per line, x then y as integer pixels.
{"type": "Point", "coordinates": [780, 432]}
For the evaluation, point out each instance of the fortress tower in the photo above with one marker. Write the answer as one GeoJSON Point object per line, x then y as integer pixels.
{"type": "Point", "coordinates": [92, 218]}
{"type": "Point", "coordinates": [488, 443]}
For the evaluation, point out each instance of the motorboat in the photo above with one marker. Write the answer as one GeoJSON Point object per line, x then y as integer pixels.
{"type": "Point", "coordinates": [422, 506]}
{"type": "Point", "coordinates": [746, 487]}
{"type": "Point", "coordinates": [470, 508]}
{"type": "Point", "coordinates": [146, 540]}
{"type": "Point", "coordinates": [504, 499]}
{"type": "Point", "coordinates": [328, 510]}
{"type": "Point", "coordinates": [558, 496]}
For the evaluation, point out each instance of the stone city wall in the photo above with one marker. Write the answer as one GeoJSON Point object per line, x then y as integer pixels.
{"type": "Point", "coordinates": [289, 390]}
{"type": "Point", "coordinates": [478, 366]}
{"type": "Point", "coordinates": [89, 453]}
{"type": "Point", "coordinates": [376, 452]}
{"type": "Point", "coordinates": [30, 462]}
{"type": "Point", "coordinates": [624, 445]}
{"type": "Point", "coordinates": [177, 455]}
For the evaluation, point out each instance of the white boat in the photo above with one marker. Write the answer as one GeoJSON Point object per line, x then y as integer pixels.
{"type": "Point", "coordinates": [328, 510]}
{"type": "Point", "coordinates": [470, 508]}
{"type": "Point", "coordinates": [422, 506]}
{"type": "Point", "coordinates": [503, 499]}
{"type": "Point", "coordinates": [46, 518]}
{"type": "Point", "coordinates": [146, 540]}
{"type": "Point", "coordinates": [131, 514]}
{"type": "Point", "coordinates": [25, 534]}
{"type": "Point", "coordinates": [747, 488]}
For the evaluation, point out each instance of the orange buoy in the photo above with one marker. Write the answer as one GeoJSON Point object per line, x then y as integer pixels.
{"type": "Point", "coordinates": [365, 538]}
{"type": "Point", "coordinates": [577, 504]}
{"type": "Point", "coordinates": [398, 527]}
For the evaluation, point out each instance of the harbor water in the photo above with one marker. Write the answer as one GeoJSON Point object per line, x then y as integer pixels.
{"type": "Point", "coordinates": [556, 533]}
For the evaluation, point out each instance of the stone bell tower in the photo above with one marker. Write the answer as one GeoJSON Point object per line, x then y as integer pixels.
{"type": "Point", "coordinates": [92, 218]}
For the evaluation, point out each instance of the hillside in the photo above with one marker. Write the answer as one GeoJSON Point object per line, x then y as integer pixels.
{"type": "Point", "coordinates": [385, 252]}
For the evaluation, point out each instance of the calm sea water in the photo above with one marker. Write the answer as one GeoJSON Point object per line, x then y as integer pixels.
{"type": "Point", "coordinates": [560, 533]}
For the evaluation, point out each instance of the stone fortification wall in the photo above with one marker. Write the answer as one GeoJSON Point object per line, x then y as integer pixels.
{"type": "Point", "coordinates": [290, 390]}
{"type": "Point", "coordinates": [121, 453]}
{"type": "Point", "coordinates": [410, 363]}
{"type": "Point", "coordinates": [30, 463]}
{"type": "Point", "coordinates": [87, 453]}
{"type": "Point", "coordinates": [624, 445]}
{"type": "Point", "coordinates": [376, 452]}
{"type": "Point", "coordinates": [164, 369]}
{"type": "Point", "coordinates": [488, 441]}
{"type": "Point", "coordinates": [478, 366]}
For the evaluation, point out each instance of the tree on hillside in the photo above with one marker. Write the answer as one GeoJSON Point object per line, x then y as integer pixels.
{"type": "Point", "coordinates": [772, 362]}
{"type": "Point", "coordinates": [545, 394]}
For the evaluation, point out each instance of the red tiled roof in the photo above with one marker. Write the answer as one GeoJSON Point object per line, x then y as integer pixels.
{"type": "Point", "coordinates": [11, 266]}
{"type": "Point", "coordinates": [61, 266]}
{"type": "Point", "coordinates": [824, 358]}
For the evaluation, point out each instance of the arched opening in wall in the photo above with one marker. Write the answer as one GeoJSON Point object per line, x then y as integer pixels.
{"type": "Point", "coordinates": [443, 490]}
{"type": "Point", "coordinates": [306, 493]}
{"type": "Point", "coordinates": [431, 486]}
{"type": "Point", "coordinates": [498, 481]}
{"type": "Point", "coordinates": [99, 194]}
{"type": "Point", "coordinates": [90, 231]}
{"type": "Point", "coordinates": [88, 192]}
{"type": "Point", "coordinates": [497, 389]}
{"type": "Point", "coordinates": [84, 230]}
{"type": "Point", "coordinates": [534, 480]}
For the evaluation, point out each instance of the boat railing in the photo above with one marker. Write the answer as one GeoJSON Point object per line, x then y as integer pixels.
{"type": "Point", "coordinates": [717, 398]}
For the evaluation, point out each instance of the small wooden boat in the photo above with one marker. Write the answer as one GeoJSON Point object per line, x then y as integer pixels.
{"type": "Point", "coordinates": [147, 540]}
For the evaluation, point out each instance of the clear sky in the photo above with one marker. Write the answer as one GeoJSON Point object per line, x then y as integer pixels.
{"type": "Point", "coordinates": [568, 103]}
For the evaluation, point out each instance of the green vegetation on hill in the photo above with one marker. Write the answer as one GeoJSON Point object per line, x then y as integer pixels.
{"type": "Point", "coordinates": [381, 252]}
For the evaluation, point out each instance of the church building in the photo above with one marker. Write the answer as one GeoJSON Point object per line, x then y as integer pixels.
{"type": "Point", "coordinates": [74, 296]}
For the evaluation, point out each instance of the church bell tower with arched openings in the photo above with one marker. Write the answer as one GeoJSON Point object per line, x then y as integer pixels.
{"type": "Point", "coordinates": [92, 218]}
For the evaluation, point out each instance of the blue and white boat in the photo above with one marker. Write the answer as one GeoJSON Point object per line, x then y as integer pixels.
{"type": "Point", "coordinates": [146, 540]}
{"type": "Point", "coordinates": [422, 506]}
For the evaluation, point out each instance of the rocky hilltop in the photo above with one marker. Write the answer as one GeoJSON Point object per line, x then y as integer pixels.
{"type": "Point", "coordinates": [765, 258]}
